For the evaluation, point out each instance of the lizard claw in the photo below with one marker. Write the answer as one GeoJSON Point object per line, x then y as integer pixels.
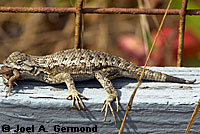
{"type": "Point", "coordinates": [107, 103]}
{"type": "Point", "coordinates": [75, 96]}
{"type": "Point", "coordinates": [8, 92]}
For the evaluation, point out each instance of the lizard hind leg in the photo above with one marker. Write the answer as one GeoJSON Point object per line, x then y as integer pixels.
{"type": "Point", "coordinates": [74, 94]}
{"type": "Point", "coordinates": [103, 77]}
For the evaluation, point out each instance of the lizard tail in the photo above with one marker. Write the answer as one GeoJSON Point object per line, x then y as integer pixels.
{"type": "Point", "coordinates": [158, 76]}
{"type": "Point", "coordinates": [178, 80]}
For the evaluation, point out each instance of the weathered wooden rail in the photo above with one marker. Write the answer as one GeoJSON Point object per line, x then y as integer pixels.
{"type": "Point", "coordinates": [158, 107]}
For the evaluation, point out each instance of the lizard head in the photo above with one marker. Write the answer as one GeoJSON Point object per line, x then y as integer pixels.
{"type": "Point", "coordinates": [18, 60]}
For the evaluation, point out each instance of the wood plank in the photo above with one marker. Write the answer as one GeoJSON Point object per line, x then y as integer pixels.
{"type": "Point", "coordinates": [158, 107]}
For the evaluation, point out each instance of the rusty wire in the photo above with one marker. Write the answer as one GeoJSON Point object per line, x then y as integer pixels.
{"type": "Point", "coordinates": [78, 25]}
{"type": "Point", "coordinates": [96, 10]}
{"type": "Point", "coordinates": [181, 33]}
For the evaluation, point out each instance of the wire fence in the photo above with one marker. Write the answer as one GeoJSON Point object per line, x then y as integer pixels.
{"type": "Point", "coordinates": [79, 10]}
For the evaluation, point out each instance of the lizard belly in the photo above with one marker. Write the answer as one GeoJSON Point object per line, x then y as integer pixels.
{"type": "Point", "coordinates": [82, 77]}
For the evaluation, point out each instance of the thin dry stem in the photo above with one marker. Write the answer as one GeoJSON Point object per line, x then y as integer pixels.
{"type": "Point", "coordinates": [193, 117]}
{"type": "Point", "coordinates": [139, 82]}
{"type": "Point", "coordinates": [144, 27]}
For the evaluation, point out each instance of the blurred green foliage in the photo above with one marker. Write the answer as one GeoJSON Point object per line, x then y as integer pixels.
{"type": "Point", "coordinates": [191, 21]}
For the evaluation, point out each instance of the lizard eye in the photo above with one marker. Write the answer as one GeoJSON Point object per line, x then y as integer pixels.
{"type": "Point", "coordinates": [19, 62]}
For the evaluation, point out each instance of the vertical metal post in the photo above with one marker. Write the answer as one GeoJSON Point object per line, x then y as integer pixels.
{"type": "Point", "coordinates": [181, 33]}
{"type": "Point", "coordinates": [78, 24]}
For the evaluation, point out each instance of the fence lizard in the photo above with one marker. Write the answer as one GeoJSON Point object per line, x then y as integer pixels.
{"type": "Point", "coordinates": [77, 65]}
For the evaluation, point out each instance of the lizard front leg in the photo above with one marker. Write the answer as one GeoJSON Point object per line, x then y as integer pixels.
{"type": "Point", "coordinates": [74, 94]}
{"type": "Point", "coordinates": [102, 77]}
{"type": "Point", "coordinates": [11, 80]}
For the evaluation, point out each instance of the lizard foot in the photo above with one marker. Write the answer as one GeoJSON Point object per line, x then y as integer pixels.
{"type": "Point", "coordinates": [8, 93]}
{"type": "Point", "coordinates": [75, 96]}
{"type": "Point", "coordinates": [107, 103]}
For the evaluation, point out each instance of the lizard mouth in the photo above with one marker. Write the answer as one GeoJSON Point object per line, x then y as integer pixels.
{"type": "Point", "coordinates": [6, 70]}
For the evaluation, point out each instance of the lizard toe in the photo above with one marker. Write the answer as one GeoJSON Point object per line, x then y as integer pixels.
{"type": "Point", "coordinates": [75, 96]}
{"type": "Point", "coordinates": [107, 103]}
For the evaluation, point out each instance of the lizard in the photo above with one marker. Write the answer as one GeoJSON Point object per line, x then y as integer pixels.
{"type": "Point", "coordinates": [71, 65]}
